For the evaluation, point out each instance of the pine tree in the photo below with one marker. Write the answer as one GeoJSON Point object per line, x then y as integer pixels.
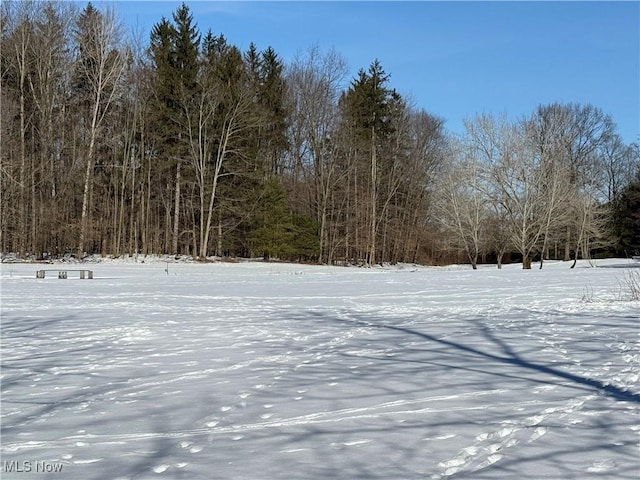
{"type": "Point", "coordinates": [369, 103]}
{"type": "Point", "coordinates": [186, 45]}
{"type": "Point", "coordinates": [370, 111]}
{"type": "Point", "coordinates": [174, 50]}
{"type": "Point", "coordinates": [278, 233]}
{"type": "Point", "coordinates": [271, 100]}
{"type": "Point", "coordinates": [165, 102]}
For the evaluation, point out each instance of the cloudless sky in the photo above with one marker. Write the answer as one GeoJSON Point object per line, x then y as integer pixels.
{"type": "Point", "coordinates": [454, 59]}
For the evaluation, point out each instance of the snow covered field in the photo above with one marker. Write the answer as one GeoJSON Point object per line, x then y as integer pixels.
{"type": "Point", "coordinates": [272, 371]}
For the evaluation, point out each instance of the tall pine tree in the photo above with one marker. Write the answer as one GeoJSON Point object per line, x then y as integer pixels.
{"type": "Point", "coordinates": [369, 110]}
{"type": "Point", "coordinates": [174, 52]}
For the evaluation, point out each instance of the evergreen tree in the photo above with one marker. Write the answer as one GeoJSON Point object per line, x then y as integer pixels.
{"type": "Point", "coordinates": [371, 112]}
{"type": "Point", "coordinates": [186, 45]}
{"type": "Point", "coordinates": [626, 219]}
{"type": "Point", "coordinates": [165, 101]}
{"type": "Point", "coordinates": [278, 233]}
{"type": "Point", "coordinates": [226, 122]}
{"type": "Point", "coordinates": [369, 103]}
{"type": "Point", "coordinates": [174, 51]}
{"type": "Point", "coordinates": [271, 99]}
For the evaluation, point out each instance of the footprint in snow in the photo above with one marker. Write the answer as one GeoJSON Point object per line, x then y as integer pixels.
{"type": "Point", "coordinates": [544, 388]}
{"type": "Point", "coordinates": [537, 433]}
{"type": "Point", "coordinates": [601, 466]}
{"type": "Point", "coordinates": [533, 420]}
{"type": "Point", "coordinates": [491, 459]}
{"type": "Point", "coordinates": [161, 468]}
{"type": "Point", "coordinates": [495, 447]}
{"type": "Point", "coordinates": [471, 450]}
{"type": "Point", "coordinates": [356, 442]}
{"type": "Point", "coordinates": [451, 471]}
{"type": "Point", "coordinates": [506, 431]}
{"type": "Point", "coordinates": [452, 464]}
{"type": "Point", "coordinates": [511, 442]}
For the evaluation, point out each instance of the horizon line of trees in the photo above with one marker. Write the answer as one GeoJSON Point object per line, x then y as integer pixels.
{"type": "Point", "coordinates": [184, 144]}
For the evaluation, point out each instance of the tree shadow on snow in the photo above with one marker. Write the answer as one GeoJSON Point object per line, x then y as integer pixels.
{"type": "Point", "coordinates": [509, 357]}
{"type": "Point", "coordinates": [408, 362]}
{"type": "Point", "coordinates": [48, 379]}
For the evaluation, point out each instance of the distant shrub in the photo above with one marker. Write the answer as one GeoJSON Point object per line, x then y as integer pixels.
{"type": "Point", "coordinates": [628, 290]}
{"type": "Point", "coordinates": [630, 286]}
{"type": "Point", "coordinates": [587, 295]}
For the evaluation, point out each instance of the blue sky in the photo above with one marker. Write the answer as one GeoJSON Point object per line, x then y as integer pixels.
{"type": "Point", "coordinates": [455, 59]}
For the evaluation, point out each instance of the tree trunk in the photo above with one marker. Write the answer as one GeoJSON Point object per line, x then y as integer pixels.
{"type": "Point", "coordinates": [88, 178]}
{"type": "Point", "coordinates": [323, 233]}
{"type": "Point", "coordinates": [176, 212]}
{"type": "Point", "coordinates": [23, 160]}
{"type": "Point", "coordinates": [219, 242]}
{"type": "Point", "coordinates": [374, 195]}
{"type": "Point", "coordinates": [220, 158]}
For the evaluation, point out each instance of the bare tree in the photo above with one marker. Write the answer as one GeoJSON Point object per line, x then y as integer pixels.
{"type": "Point", "coordinates": [49, 84]}
{"type": "Point", "coordinates": [9, 181]}
{"type": "Point", "coordinates": [210, 149]}
{"type": "Point", "coordinates": [218, 117]}
{"type": "Point", "coordinates": [463, 204]}
{"type": "Point", "coordinates": [616, 162]}
{"type": "Point", "coordinates": [426, 147]}
{"type": "Point", "coordinates": [512, 180]}
{"type": "Point", "coordinates": [572, 134]}
{"type": "Point", "coordinates": [543, 134]}
{"type": "Point", "coordinates": [100, 67]}
{"type": "Point", "coordinates": [314, 80]}
{"type": "Point", "coordinates": [17, 48]}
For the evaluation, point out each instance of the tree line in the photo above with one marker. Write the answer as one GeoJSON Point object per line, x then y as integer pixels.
{"type": "Point", "coordinates": [184, 144]}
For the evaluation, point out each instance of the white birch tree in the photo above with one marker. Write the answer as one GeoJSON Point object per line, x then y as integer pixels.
{"type": "Point", "coordinates": [99, 69]}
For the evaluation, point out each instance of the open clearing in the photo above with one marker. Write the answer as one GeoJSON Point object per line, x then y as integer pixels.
{"type": "Point", "coordinates": [277, 371]}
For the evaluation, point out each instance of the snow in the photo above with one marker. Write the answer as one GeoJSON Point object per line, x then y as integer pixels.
{"type": "Point", "coordinates": [278, 371]}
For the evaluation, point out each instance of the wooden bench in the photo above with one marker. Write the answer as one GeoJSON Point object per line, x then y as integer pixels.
{"type": "Point", "coordinates": [63, 273]}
